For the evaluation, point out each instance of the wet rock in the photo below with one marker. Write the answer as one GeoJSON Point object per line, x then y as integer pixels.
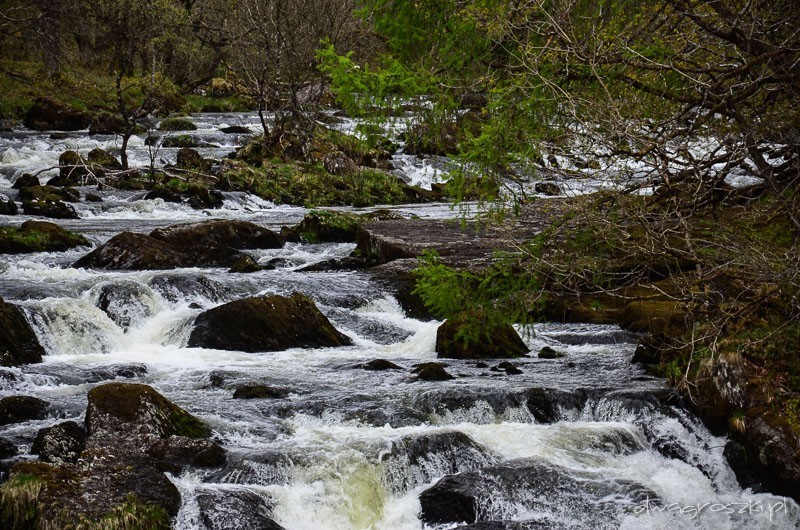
{"type": "Point", "coordinates": [49, 194]}
{"type": "Point", "coordinates": [473, 335]}
{"type": "Point", "coordinates": [163, 193]}
{"type": "Point", "coordinates": [26, 181]}
{"type": "Point", "coordinates": [139, 411]}
{"type": "Point", "coordinates": [17, 409]}
{"type": "Point", "coordinates": [176, 288]}
{"type": "Point", "coordinates": [60, 443]}
{"type": "Point", "coordinates": [509, 368]}
{"type": "Point", "coordinates": [39, 236]}
{"type": "Point", "coordinates": [188, 158]}
{"type": "Point", "coordinates": [242, 509]}
{"type": "Point", "coordinates": [245, 264]}
{"type": "Point", "coordinates": [7, 205]}
{"type": "Point", "coordinates": [177, 124]}
{"type": "Point", "coordinates": [648, 350]}
{"type": "Point", "coordinates": [74, 170]}
{"type": "Point", "coordinates": [7, 449]}
{"type": "Point", "coordinates": [548, 405]}
{"type": "Point", "coordinates": [419, 459]}
{"type": "Point", "coordinates": [182, 451]}
{"type": "Point", "coordinates": [265, 323]}
{"type": "Point", "coordinates": [549, 353]}
{"type": "Point", "coordinates": [432, 372]}
{"type": "Point", "coordinates": [211, 241]}
{"type": "Point", "coordinates": [264, 469]}
{"type": "Point", "coordinates": [114, 371]}
{"type": "Point", "coordinates": [125, 303]}
{"type": "Point", "coordinates": [254, 391]}
{"type": "Point", "coordinates": [92, 197]}
{"type": "Point", "coordinates": [50, 115]}
{"type": "Point", "coordinates": [399, 277]}
{"type": "Point", "coordinates": [548, 188]}
{"type": "Point", "coordinates": [104, 159]}
{"type": "Point", "coordinates": [537, 486]}
{"type": "Point", "coordinates": [129, 251]}
{"type": "Point", "coordinates": [180, 141]}
{"type": "Point", "coordinates": [49, 208]}
{"type": "Point", "coordinates": [235, 129]}
{"type": "Point", "coordinates": [664, 317]}
{"type": "Point", "coordinates": [18, 342]}
{"type": "Point", "coordinates": [376, 365]}
{"type": "Point", "coordinates": [201, 197]}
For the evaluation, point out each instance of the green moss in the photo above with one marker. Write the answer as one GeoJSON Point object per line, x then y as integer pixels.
{"type": "Point", "coordinates": [177, 124]}
{"type": "Point", "coordinates": [38, 237]}
{"type": "Point", "coordinates": [181, 140]}
{"type": "Point", "coordinates": [195, 103]}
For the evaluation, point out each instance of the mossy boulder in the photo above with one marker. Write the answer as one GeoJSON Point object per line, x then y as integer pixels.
{"type": "Point", "coordinates": [180, 141]}
{"type": "Point", "coordinates": [177, 124]}
{"type": "Point", "coordinates": [138, 410]}
{"type": "Point", "coordinates": [103, 158]}
{"type": "Point", "coordinates": [50, 209]}
{"type": "Point", "coordinates": [549, 353]}
{"type": "Point", "coordinates": [129, 251]}
{"type": "Point", "coordinates": [76, 170]}
{"type": "Point", "coordinates": [654, 316]}
{"type": "Point", "coordinates": [17, 409]}
{"type": "Point", "coordinates": [26, 181]}
{"type": "Point", "coordinates": [50, 115]}
{"type": "Point", "coordinates": [18, 342]}
{"type": "Point", "coordinates": [38, 236]}
{"type": "Point", "coordinates": [266, 323]}
{"type": "Point", "coordinates": [189, 158]}
{"type": "Point", "coordinates": [476, 335]}
{"type": "Point", "coordinates": [245, 264]}
{"type": "Point", "coordinates": [185, 451]}
{"type": "Point", "coordinates": [49, 193]}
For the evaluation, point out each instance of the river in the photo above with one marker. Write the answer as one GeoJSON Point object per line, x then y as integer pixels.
{"type": "Point", "coordinates": [349, 448]}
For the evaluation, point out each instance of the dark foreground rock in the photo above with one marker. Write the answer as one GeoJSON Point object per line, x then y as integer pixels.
{"type": "Point", "coordinates": [134, 434]}
{"type": "Point", "coordinates": [50, 115]}
{"type": "Point", "coordinates": [473, 335]}
{"type": "Point", "coordinates": [266, 323]}
{"type": "Point", "coordinates": [242, 509]}
{"type": "Point", "coordinates": [209, 244]}
{"type": "Point", "coordinates": [432, 372]}
{"type": "Point", "coordinates": [18, 342]}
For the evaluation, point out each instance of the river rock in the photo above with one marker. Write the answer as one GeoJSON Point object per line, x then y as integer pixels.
{"type": "Point", "coordinates": [26, 181]}
{"type": "Point", "coordinates": [18, 342]}
{"type": "Point", "coordinates": [129, 251]}
{"type": "Point", "coordinates": [530, 485]}
{"type": "Point", "coordinates": [548, 188]}
{"type": "Point", "coordinates": [241, 509]}
{"type": "Point", "coordinates": [60, 443]}
{"type": "Point", "coordinates": [103, 158]}
{"type": "Point", "coordinates": [246, 264]}
{"type": "Point", "coordinates": [265, 323]}
{"type": "Point", "coordinates": [473, 335]}
{"type": "Point", "coordinates": [418, 459]}
{"type": "Point", "coordinates": [377, 365]}
{"type": "Point", "coordinates": [432, 372]}
{"type": "Point", "coordinates": [254, 391]}
{"type": "Point", "coordinates": [184, 451]}
{"type": "Point", "coordinates": [213, 238]}
{"type": "Point", "coordinates": [75, 170]}
{"type": "Point", "coordinates": [7, 449]}
{"type": "Point", "coordinates": [107, 123]}
{"type": "Point", "coordinates": [125, 303]}
{"type": "Point", "coordinates": [51, 209]}
{"type": "Point", "coordinates": [549, 353]}
{"type": "Point", "coordinates": [50, 115]}
{"type": "Point", "coordinates": [138, 410]}
{"type": "Point", "coordinates": [16, 409]}
{"type": "Point", "coordinates": [337, 163]}
{"type": "Point", "coordinates": [235, 129]}
{"type": "Point", "coordinates": [7, 205]}
{"type": "Point", "coordinates": [201, 197]}
{"type": "Point", "coordinates": [188, 158]}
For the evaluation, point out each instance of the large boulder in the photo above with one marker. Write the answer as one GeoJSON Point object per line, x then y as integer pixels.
{"type": "Point", "coordinates": [18, 342]}
{"type": "Point", "coordinates": [51, 209]}
{"type": "Point", "coordinates": [50, 115]}
{"type": "Point", "coordinates": [474, 335]}
{"type": "Point", "coordinates": [38, 236]}
{"type": "Point", "coordinates": [7, 205]}
{"type": "Point", "coordinates": [129, 251]}
{"type": "Point", "coordinates": [217, 235]}
{"type": "Point", "coordinates": [243, 509]}
{"type": "Point", "coordinates": [266, 323]}
{"type": "Point", "coordinates": [138, 411]}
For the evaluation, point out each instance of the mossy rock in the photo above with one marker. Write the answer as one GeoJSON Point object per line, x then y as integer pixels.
{"type": "Point", "coordinates": [654, 316]}
{"type": "Point", "coordinates": [103, 158]}
{"type": "Point", "coordinates": [7, 206]}
{"type": "Point", "coordinates": [136, 408]}
{"type": "Point", "coordinates": [329, 226]}
{"type": "Point", "coordinates": [49, 193]}
{"type": "Point", "coordinates": [266, 323]}
{"type": "Point", "coordinates": [245, 264]}
{"type": "Point", "coordinates": [181, 140]}
{"type": "Point", "coordinates": [26, 181]}
{"type": "Point", "coordinates": [17, 409]}
{"type": "Point", "coordinates": [51, 115]}
{"type": "Point", "coordinates": [177, 124]}
{"type": "Point", "coordinates": [476, 335]}
{"type": "Point", "coordinates": [38, 236]}
{"type": "Point", "coordinates": [549, 353]}
{"type": "Point", "coordinates": [18, 342]}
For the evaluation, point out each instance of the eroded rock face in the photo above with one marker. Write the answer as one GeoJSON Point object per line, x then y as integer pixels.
{"type": "Point", "coordinates": [266, 323]}
{"type": "Point", "coordinates": [60, 443]}
{"type": "Point", "coordinates": [456, 338]}
{"type": "Point", "coordinates": [18, 342]}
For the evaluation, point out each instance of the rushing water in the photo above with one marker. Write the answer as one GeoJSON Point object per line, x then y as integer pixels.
{"type": "Point", "coordinates": [350, 448]}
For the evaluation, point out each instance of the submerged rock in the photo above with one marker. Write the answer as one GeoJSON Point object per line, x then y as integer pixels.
{"type": "Point", "coordinates": [266, 323]}
{"type": "Point", "coordinates": [473, 335]}
{"type": "Point", "coordinates": [18, 342]}
{"type": "Point", "coordinates": [242, 509]}
{"type": "Point", "coordinates": [549, 353]}
{"type": "Point", "coordinates": [378, 365]}
{"type": "Point", "coordinates": [432, 372]}
{"type": "Point", "coordinates": [259, 392]}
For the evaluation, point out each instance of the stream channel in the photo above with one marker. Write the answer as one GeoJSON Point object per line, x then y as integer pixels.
{"type": "Point", "coordinates": [350, 448]}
